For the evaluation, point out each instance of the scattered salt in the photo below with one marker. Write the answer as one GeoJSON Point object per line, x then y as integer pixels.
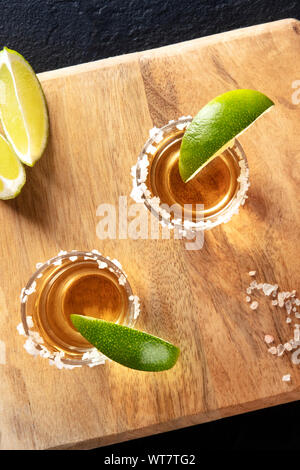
{"type": "Point", "coordinates": [272, 350]}
{"type": "Point", "coordinates": [268, 288]}
{"type": "Point", "coordinates": [269, 339]}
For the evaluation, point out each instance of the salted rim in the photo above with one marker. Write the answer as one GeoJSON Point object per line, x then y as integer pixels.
{"type": "Point", "coordinates": [96, 357]}
{"type": "Point", "coordinates": [141, 193]}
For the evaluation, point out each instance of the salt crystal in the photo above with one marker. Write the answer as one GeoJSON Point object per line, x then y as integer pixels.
{"type": "Point", "coordinates": [57, 263]}
{"type": "Point", "coordinates": [62, 252]}
{"type": "Point", "coordinates": [268, 289]}
{"type": "Point", "coordinates": [180, 126]}
{"type": "Point", "coordinates": [281, 297]}
{"type": "Point", "coordinates": [31, 348]}
{"type": "Point", "coordinates": [122, 280]}
{"type": "Point", "coordinates": [288, 346]}
{"type": "Point", "coordinates": [252, 273]}
{"type": "Point", "coordinates": [248, 299]}
{"type": "Point", "coordinates": [31, 289]}
{"type": "Point", "coordinates": [73, 258]}
{"type": "Point", "coordinates": [269, 339]}
{"type": "Point", "coordinates": [288, 320]}
{"type": "Point", "coordinates": [286, 378]}
{"type": "Point", "coordinates": [35, 336]}
{"type": "Point", "coordinates": [22, 293]}
{"type": "Point", "coordinates": [272, 350]}
{"type": "Point", "coordinates": [20, 329]}
{"type": "Point", "coordinates": [274, 302]}
{"type": "Point", "coordinates": [136, 304]}
{"type": "Point", "coordinates": [94, 356]}
{"type": "Point", "coordinates": [102, 264]}
{"type": "Point", "coordinates": [117, 263]}
{"type": "Point", "coordinates": [288, 307]}
{"type": "Point", "coordinates": [296, 357]}
{"type": "Point", "coordinates": [280, 349]}
{"type": "Point", "coordinates": [151, 149]}
{"type": "Point", "coordinates": [254, 305]}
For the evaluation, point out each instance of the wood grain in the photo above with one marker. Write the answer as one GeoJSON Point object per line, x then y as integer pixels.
{"type": "Point", "coordinates": [100, 114]}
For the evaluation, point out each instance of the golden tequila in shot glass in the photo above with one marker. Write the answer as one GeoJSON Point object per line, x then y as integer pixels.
{"type": "Point", "coordinates": [207, 200]}
{"type": "Point", "coordinates": [84, 283]}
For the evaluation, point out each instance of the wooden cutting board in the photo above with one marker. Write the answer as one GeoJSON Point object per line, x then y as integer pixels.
{"type": "Point", "coordinates": [100, 114]}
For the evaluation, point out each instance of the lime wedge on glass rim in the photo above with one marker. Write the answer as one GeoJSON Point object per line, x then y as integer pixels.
{"type": "Point", "coordinates": [12, 173]}
{"type": "Point", "coordinates": [23, 108]}
{"type": "Point", "coordinates": [127, 346]}
{"type": "Point", "coordinates": [216, 126]}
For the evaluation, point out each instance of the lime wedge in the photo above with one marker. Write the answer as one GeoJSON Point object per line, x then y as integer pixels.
{"type": "Point", "coordinates": [215, 127]}
{"type": "Point", "coordinates": [23, 108]}
{"type": "Point", "coordinates": [129, 347]}
{"type": "Point", "coordinates": [12, 173]}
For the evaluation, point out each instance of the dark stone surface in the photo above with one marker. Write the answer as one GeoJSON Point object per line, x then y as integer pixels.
{"type": "Point", "coordinates": [58, 33]}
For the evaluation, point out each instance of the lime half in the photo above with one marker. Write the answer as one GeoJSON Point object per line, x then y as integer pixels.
{"type": "Point", "coordinates": [215, 127]}
{"type": "Point", "coordinates": [131, 348]}
{"type": "Point", "coordinates": [23, 107]}
{"type": "Point", "coordinates": [12, 173]}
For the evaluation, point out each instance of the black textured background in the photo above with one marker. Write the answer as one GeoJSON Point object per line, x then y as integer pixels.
{"type": "Point", "coordinates": [58, 33]}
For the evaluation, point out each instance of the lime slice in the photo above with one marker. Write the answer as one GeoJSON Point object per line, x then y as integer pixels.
{"type": "Point", "coordinates": [129, 347]}
{"type": "Point", "coordinates": [23, 108]}
{"type": "Point", "coordinates": [215, 127]}
{"type": "Point", "coordinates": [12, 173]}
